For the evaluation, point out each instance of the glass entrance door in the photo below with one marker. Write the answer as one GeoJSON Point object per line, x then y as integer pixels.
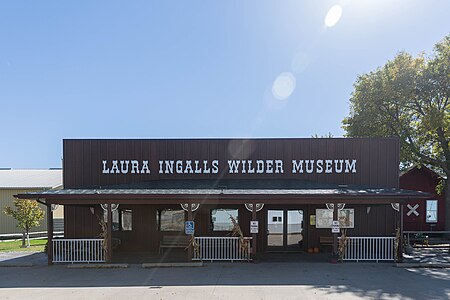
{"type": "Point", "coordinates": [294, 239]}
{"type": "Point", "coordinates": [285, 229]}
{"type": "Point", "coordinates": [275, 228]}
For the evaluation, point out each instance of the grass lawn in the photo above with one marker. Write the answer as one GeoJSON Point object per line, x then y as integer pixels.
{"type": "Point", "coordinates": [36, 245]}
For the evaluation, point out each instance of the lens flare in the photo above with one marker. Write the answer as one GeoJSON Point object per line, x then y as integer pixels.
{"type": "Point", "coordinates": [333, 16]}
{"type": "Point", "coordinates": [283, 86]}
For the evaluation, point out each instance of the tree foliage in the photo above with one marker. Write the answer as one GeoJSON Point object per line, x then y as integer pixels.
{"type": "Point", "coordinates": [27, 213]}
{"type": "Point", "coordinates": [408, 97]}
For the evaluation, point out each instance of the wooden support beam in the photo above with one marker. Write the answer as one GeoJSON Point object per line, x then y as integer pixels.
{"type": "Point", "coordinates": [335, 235]}
{"type": "Point", "coordinates": [254, 235]}
{"type": "Point", "coordinates": [109, 236]}
{"type": "Point", "coordinates": [49, 234]}
{"type": "Point", "coordinates": [190, 218]}
{"type": "Point", "coordinates": [400, 246]}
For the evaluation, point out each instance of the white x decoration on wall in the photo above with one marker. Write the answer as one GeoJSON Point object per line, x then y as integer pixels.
{"type": "Point", "coordinates": [412, 210]}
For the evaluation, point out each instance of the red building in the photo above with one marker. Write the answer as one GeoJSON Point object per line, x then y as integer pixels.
{"type": "Point", "coordinates": [423, 214]}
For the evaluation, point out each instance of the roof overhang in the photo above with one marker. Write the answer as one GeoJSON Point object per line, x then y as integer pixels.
{"type": "Point", "coordinates": [225, 196]}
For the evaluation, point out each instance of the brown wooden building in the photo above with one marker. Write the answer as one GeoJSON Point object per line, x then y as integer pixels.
{"type": "Point", "coordinates": [294, 189]}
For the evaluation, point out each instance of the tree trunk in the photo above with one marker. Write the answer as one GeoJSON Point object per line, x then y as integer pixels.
{"type": "Point", "coordinates": [28, 239]}
{"type": "Point", "coordinates": [24, 236]}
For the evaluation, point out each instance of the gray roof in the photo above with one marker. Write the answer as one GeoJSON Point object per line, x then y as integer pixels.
{"type": "Point", "coordinates": [345, 191]}
{"type": "Point", "coordinates": [24, 179]}
{"type": "Point", "coordinates": [234, 187]}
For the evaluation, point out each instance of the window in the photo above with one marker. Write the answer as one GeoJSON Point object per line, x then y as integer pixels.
{"type": "Point", "coordinates": [126, 219]}
{"type": "Point", "coordinates": [122, 223]}
{"type": "Point", "coordinates": [276, 219]}
{"type": "Point", "coordinates": [431, 216]}
{"type": "Point", "coordinates": [346, 217]}
{"type": "Point", "coordinates": [170, 219]}
{"type": "Point", "coordinates": [221, 219]}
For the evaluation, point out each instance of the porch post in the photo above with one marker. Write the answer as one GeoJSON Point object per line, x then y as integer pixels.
{"type": "Point", "coordinates": [109, 236]}
{"type": "Point", "coordinates": [335, 235]}
{"type": "Point", "coordinates": [400, 246]}
{"type": "Point", "coordinates": [190, 249]}
{"type": "Point", "coordinates": [49, 234]}
{"type": "Point", "coordinates": [254, 235]}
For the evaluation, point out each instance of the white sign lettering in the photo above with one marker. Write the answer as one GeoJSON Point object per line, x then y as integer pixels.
{"type": "Point", "coordinates": [318, 166]}
{"type": "Point", "coordinates": [136, 167]}
{"type": "Point", "coordinates": [233, 166]}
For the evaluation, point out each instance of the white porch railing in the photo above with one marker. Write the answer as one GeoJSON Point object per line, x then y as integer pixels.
{"type": "Point", "coordinates": [370, 248]}
{"type": "Point", "coordinates": [222, 248]}
{"type": "Point", "coordinates": [78, 250]}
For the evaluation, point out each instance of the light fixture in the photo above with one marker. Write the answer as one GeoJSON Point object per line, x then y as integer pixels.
{"type": "Point", "coordinates": [249, 206]}
{"type": "Point", "coordinates": [113, 206]}
{"type": "Point", "coordinates": [194, 207]}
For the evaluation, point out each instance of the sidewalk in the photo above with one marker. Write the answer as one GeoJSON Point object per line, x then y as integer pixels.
{"type": "Point", "coordinates": [427, 257]}
{"type": "Point", "coordinates": [22, 259]}
{"type": "Point", "coordinates": [421, 257]}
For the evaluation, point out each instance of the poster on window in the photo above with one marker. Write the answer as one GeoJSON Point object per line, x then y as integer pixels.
{"type": "Point", "coordinates": [324, 218]}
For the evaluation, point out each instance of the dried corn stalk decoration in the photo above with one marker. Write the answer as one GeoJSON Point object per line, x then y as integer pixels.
{"type": "Point", "coordinates": [195, 245]}
{"type": "Point", "coordinates": [103, 233]}
{"type": "Point", "coordinates": [237, 232]}
{"type": "Point", "coordinates": [397, 245]}
{"type": "Point", "coordinates": [342, 244]}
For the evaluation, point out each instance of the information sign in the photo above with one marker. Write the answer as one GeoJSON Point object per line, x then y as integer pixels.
{"type": "Point", "coordinates": [254, 226]}
{"type": "Point", "coordinates": [189, 227]}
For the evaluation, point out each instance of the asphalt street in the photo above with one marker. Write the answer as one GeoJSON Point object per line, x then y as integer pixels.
{"type": "Point", "coordinates": [266, 280]}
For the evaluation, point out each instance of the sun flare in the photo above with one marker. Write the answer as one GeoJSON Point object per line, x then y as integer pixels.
{"type": "Point", "coordinates": [333, 16]}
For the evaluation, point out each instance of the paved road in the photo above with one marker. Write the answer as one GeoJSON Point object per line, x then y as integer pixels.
{"type": "Point", "coordinates": [281, 280]}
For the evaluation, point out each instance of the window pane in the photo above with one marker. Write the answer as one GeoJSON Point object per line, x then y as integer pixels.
{"type": "Point", "coordinates": [431, 216]}
{"type": "Point", "coordinates": [127, 220]}
{"type": "Point", "coordinates": [220, 219]}
{"type": "Point", "coordinates": [170, 220]}
{"type": "Point", "coordinates": [115, 219]}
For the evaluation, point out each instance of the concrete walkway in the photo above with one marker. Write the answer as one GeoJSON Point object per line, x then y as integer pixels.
{"type": "Point", "coordinates": [266, 280]}
{"type": "Point", "coordinates": [420, 255]}
{"type": "Point", "coordinates": [22, 258]}
{"type": "Point", "coordinates": [428, 257]}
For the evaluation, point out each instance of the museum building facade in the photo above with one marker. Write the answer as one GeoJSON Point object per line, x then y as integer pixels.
{"type": "Point", "coordinates": [199, 196]}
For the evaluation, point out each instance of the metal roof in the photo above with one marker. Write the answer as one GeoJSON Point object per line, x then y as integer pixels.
{"type": "Point", "coordinates": [21, 179]}
{"type": "Point", "coordinates": [343, 191]}
{"type": "Point", "coordinates": [231, 188]}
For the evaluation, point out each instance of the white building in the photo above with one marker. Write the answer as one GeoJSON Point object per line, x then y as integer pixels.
{"type": "Point", "coordinates": [13, 182]}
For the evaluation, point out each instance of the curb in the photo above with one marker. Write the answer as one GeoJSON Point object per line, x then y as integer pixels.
{"type": "Point", "coordinates": [423, 265]}
{"type": "Point", "coordinates": [172, 265]}
{"type": "Point", "coordinates": [98, 266]}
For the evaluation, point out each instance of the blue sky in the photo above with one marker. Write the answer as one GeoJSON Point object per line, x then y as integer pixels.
{"type": "Point", "coordinates": [182, 69]}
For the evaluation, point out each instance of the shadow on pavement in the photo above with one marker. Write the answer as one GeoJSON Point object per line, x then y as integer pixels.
{"type": "Point", "coordinates": [369, 280]}
{"type": "Point", "coordinates": [23, 258]}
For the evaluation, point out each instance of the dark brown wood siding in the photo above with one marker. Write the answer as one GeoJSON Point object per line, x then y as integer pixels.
{"type": "Point", "coordinates": [377, 159]}
{"type": "Point", "coordinates": [380, 220]}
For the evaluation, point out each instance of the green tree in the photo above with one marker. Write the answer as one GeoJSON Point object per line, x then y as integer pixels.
{"type": "Point", "coordinates": [28, 215]}
{"type": "Point", "coordinates": [409, 98]}
{"type": "Point", "coordinates": [326, 136]}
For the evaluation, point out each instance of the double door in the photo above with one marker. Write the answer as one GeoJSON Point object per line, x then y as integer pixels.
{"type": "Point", "coordinates": [285, 230]}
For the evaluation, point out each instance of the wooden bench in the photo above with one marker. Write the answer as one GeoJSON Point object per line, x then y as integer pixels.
{"type": "Point", "coordinates": [419, 238]}
{"type": "Point", "coordinates": [174, 241]}
{"type": "Point", "coordinates": [326, 241]}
